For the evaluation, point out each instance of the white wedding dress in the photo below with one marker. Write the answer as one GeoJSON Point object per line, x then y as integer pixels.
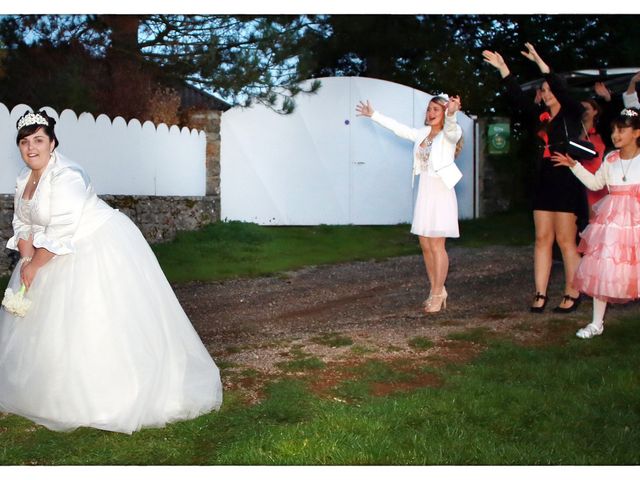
{"type": "Point", "coordinates": [105, 343]}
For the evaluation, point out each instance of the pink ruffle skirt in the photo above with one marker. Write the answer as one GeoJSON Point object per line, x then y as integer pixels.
{"type": "Point", "coordinates": [610, 266]}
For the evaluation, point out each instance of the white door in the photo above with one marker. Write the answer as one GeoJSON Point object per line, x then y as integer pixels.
{"type": "Point", "coordinates": [380, 162]}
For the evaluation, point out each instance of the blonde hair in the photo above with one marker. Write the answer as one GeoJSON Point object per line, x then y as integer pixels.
{"type": "Point", "coordinates": [443, 103]}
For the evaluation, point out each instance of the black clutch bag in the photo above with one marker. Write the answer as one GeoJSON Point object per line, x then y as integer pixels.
{"type": "Point", "coordinates": [579, 149]}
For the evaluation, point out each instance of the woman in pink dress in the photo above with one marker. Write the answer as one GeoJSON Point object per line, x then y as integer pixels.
{"type": "Point", "coordinates": [610, 267]}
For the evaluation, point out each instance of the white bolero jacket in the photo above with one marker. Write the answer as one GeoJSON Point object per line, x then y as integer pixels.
{"type": "Point", "coordinates": [64, 208]}
{"type": "Point", "coordinates": [444, 144]}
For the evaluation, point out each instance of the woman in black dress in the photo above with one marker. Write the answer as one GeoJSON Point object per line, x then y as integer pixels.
{"type": "Point", "coordinates": [559, 199]}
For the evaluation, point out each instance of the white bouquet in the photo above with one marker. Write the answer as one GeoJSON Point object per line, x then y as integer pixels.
{"type": "Point", "coordinates": [15, 303]}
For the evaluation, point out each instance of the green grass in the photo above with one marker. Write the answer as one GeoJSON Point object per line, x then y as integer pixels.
{"type": "Point", "coordinates": [578, 403]}
{"type": "Point", "coordinates": [420, 343]}
{"type": "Point", "coordinates": [332, 339]}
{"type": "Point", "coordinates": [575, 403]}
{"type": "Point", "coordinates": [510, 228]}
{"type": "Point", "coordinates": [236, 249]}
{"type": "Point", "coordinates": [362, 350]}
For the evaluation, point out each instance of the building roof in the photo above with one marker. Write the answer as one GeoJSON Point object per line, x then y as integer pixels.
{"type": "Point", "coordinates": [192, 97]}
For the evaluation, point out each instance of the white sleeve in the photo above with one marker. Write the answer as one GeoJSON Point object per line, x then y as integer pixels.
{"type": "Point", "coordinates": [593, 181]}
{"type": "Point", "coordinates": [396, 127]}
{"type": "Point", "coordinates": [630, 100]}
{"type": "Point", "coordinates": [68, 196]}
{"type": "Point", "coordinates": [452, 131]}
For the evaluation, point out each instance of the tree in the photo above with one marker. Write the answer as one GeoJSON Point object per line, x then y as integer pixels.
{"type": "Point", "coordinates": [244, 59]}
{"type": "Point", "coordinates": [442, 53]}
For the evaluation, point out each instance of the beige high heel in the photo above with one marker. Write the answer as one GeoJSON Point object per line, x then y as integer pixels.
{"type": "Point", "coordinates": [435, 303]}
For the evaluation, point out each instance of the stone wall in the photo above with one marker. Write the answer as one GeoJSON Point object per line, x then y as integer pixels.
{"type": "Point", "coordinates": [209, 121]}
{"type": "Point", "coordinates": [159, 218]}
{"type": "Point", "coordinates": [7, 257]}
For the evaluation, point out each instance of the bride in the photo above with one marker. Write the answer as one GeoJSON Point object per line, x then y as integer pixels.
{"type": "Point", "coordinates": [104, 342]}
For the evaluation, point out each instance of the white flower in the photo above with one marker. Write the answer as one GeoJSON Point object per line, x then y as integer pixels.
{"type": "Point", "coordinates": [15, 303]}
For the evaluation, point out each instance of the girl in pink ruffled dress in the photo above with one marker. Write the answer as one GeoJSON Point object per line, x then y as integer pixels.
{"type": "Point", "coordinates": [610, 267]}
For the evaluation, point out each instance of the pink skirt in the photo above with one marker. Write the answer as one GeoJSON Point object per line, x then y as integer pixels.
{"type": "Point", "coordinates": [610, 266]}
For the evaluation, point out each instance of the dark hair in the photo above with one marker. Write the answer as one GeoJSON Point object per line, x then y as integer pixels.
{"type": "Point", "coordinates": [33, 128]}
{"type": "Point", "coordinates": [595, 105]}
{"type": "Point", "coordinates": [628, 118]}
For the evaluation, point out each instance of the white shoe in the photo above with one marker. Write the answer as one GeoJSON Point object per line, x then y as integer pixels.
{"type": "Point", "coordinates": [589, 331]}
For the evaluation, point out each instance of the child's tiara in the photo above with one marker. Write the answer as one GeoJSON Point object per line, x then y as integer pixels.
{"type": "Point", "coordinates": [627, 112]}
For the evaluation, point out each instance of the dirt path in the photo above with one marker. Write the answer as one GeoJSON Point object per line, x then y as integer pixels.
{"type": "Point", "coordinates": [254, 324]}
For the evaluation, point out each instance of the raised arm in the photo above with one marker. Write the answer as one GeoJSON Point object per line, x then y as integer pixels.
{"type": "Point", "coordinates": [532, 55]}
{"type": "Point", "coordinates": [365, 109]}
{"type": "Point", "coordinates": [496, 61]}
{"type": "Point", "coordinates": [630, 97]}
{"type": "Point", "coordinates": [568, 103]}
{"type": "Point", "coordinates": [452, 131]}
{"type": "Point", "coordinates": [518, 101]}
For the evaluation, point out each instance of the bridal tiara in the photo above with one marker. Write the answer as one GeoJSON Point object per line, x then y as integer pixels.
{"type": "Point", "coordinates": [627, 112]}
{"type": "Point", "coordinates": [32, 119]}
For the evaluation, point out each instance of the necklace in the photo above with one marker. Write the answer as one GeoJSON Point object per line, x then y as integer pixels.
{"type": "Point", "coordinates": [624, 172]}
{"type": "Point", "coordinates": [429, 140]}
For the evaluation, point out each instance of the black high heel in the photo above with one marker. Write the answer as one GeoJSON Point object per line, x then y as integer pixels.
{"type": "Point", "coordinates": [540, 309]}
{"type": "Point", "coordinates": [574, 306]}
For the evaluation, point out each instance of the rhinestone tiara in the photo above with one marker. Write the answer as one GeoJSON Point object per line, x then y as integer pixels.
{"type": "Point", "coordinates": [32, 119]}
{"type": "Point", "coordinates": [627, 112]}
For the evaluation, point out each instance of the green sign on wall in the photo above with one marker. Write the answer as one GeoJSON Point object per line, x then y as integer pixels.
{"type": "Point", "coordinates": [498, 138]}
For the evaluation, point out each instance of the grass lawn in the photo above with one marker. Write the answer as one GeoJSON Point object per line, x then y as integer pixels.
{"type": "Point", "coordinates": [576, 403]}
{"type": "Point", "coordinates": [573, 404]}
{"type": "Point", "coordinates": [236, 249]}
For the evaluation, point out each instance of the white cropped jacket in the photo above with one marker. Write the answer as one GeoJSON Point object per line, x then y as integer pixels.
{"type": "Point", "coordinates": [63, 209]}
{"type": "Point", "coordinates": [444, 144]}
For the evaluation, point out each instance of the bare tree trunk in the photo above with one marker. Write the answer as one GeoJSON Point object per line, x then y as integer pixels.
{"type": "Point", "coordinates": [131, 84]}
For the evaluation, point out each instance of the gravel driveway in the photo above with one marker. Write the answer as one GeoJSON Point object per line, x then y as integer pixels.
{"type": "Point", "coordinates": [256, 324]}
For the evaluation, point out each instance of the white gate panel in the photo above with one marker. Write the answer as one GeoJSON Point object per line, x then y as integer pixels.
{"type": "Point", "coordinates": [381, 163]}
{"type": "Point", "coordinates": [287, 169]}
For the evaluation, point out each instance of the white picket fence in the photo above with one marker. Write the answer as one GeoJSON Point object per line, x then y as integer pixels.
{"type": "Point", "coordinates": [121, 158]}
